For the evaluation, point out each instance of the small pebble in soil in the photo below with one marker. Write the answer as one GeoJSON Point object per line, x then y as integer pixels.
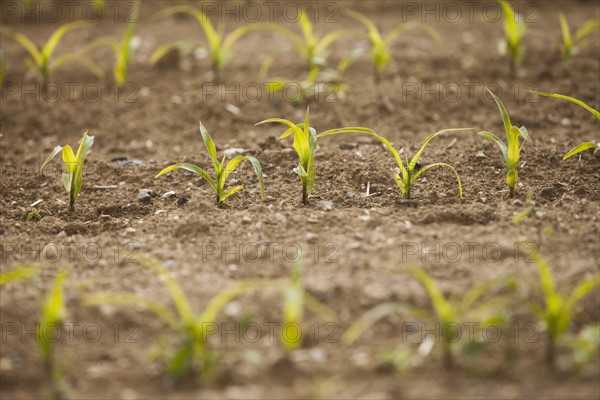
{"type": "Point", "coordinates": [348, 146]}
{"type": "Point", "coordinates": [144, 197]}
{"type": "Point", "coordinates": [480, 154]}
{"type": "Point", "coordinates": [326, 205]}
{"type": "Point", "coordinates": [350, 195]}
{"type": "Point", "coordinates": [182, 200]}
{"type": "Point", "coordinates": [311, 237]}
{"type": "Point", "coordinates": [246, 220]}
{"type": "Point", "coordinates": [169, 194]}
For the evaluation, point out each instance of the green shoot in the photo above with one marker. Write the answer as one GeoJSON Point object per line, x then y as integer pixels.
{"type": "Point", "coordinates": [221, 46]}
{"type": "Point", "coordinates": [381, 43]}
{"type": "Point", "coordinates": [474, 306]}
{"type": "Point", "coordinates": [123, 50]}
{"type": "Point", "coordinates": [412, 171]}
{"type": "Point", "coordinates": [583, 146]}
{"type": "Point", "coordinates": [514, 32]}
{"type": "Point", "coordinates": [584, 349]}
{"type": "Point", "coordinates": [559, 308]}
{"type": "Point", "coordinates": [34, 214]}
{"type": "Point", "coordinates": [311, 46]}
{"type": "Point", "coordinates": [222, 170]}
{"type": "Point", "coordinates": [194, 352]}
{"type": "Point", "coordinates": [21, 273]}
{"type": "Point", "coordinates": [511, 150]}
{"type": "Point", "coordinates": [305, 144]}
{"type": "Point", "coordinates": [571, 45]}
{"type": "Point", "coordinates": [53, 312]}
{"type": "Point", "coordinates": [73, 179]}
{"type": "Point", "coordinates": [41, 60]}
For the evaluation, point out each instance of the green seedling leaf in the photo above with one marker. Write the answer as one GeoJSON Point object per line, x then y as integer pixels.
{"type": "Point", "coordinates": [222, 171]}
{"type": "Point", "coordinates": [18, 274]}
{"type": "Point", "coordinates": [579, 148]}
{"type": "Point", "coordinates": [74, 164]}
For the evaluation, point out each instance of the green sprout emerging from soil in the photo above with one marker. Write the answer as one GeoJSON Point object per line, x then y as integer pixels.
{"type": "Point", "coordinates": [194, 351]}
{"type": "Point", "coordinates": [511, 150]}
{"type": "Point", "coordinates": [18, 274]}
{"type": "Point", "coordinates": [311, 46]}
{"type": "Point", "coordinates": [381, 43]}
{"type": "Point", "coordinates": [221, 46]}
{"type": "Point", "coordinates": [514, 32]}
{"type": "Point", "coordinates": [572, 44]}
{"type": "Point", "coordinates": [559, 308]}
{"type": "Point", "coordinates": [41, 60]}
{"type": "Point", "coordinates": [53, 313]}
{"type": "Point", "coordinates": [476, 305]}
{"type": "Point", "coordinates": [305, 144]}
{"type": "Point", "coordinates": [583, 146]}
{"type": "Point", "coordinates": [123, 50]}
{"type": "Point", "coordinates": [222, 170]}
{"type": "Point", "coordinates": [412, 171]}
{"type": "Point", "coordinates": [73, 179]}
{"type": "Point", "coordinates": [34, 214]}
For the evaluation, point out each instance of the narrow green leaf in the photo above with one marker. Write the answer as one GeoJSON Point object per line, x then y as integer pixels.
{"type": "Point", "coordinates": [579, 148]}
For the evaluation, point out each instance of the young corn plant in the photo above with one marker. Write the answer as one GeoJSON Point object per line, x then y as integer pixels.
{"type": "Point", "coordinates": [221, 47]}
{"type": "Point", "coordinates": [305, 144]}
{"type": "Point", "coordinates": [123, 50]}
{"type": "Point", "coordinates": [53, 313]}
{"type": "Point", "coordinates": [18, 274]}
{"type": "Point", "coordinates": [476, 305]}
{"type": "Point", "coordinates": [222, 170]}
{"type": "Point", "coordinates": [73, 178]}
{"type": "Point", "coordinates": [412, 171]}
{"type": "Point", "coordinates": [559, 308]}
{"type": "Point", "coordinates": [41, 61]}
{"type": "Point", "coordinates": [194, 352]}
{"type": "Point", "coordinates": [511, 150]}
{"type": "Point", "coordinates": [381, 52]}
{"type": "Point", "coordinates": [583, 146]}
{"type": "Point", "coordinates": [572, 44]}
{"type": "Point", "coordinates": [312, 47]}
{"type": "Point", "coordinates": [514, 32]}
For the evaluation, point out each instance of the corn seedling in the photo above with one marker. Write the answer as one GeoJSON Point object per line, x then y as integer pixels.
{"type": "Point", "coordinates": [41, 60]}
{"type": "Point", "coordinates": [73, 179]}
{"type": "Point", "coordinates": [559, 308]}
{"type": "Point", "coordinates": [583, 349]}
{"type": "Point", "coordinates": [34, 214]}
{"type": "Point", "coordinates": [381, 52]}
{"type": "Point", "coordinates": [194, 351]}
{"type": "Point", "coordinates": [305, 144]}
{"type": "Point", "coordinates": [511, 150]}
{"type": "Point", "coordinates": [514, 32]}
{"type": "Point", "coordinates": [312, 47]}
{"type": "Point", "coordinates": [18, 274]}
{"type": "Point", "coordinates": [123, 50]}
{"type": "Point", "coordinates": [572, 44]}
{"type": "Point", "coordinates": [53, 313]}
{"type": "Point", "coordinates": [222, 170]}
{"type": "Point", "coordinates": [474, 306]}
{"type": "Point", "coordinates": [409, 173]}
{"type": "Point", "coordinates": [221, 46]}
{"type": "Point", "coordinates": [583, 146]}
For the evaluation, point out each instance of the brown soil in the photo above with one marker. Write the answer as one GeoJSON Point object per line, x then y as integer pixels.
{"type": "Point", "coordinates": [354, 252]}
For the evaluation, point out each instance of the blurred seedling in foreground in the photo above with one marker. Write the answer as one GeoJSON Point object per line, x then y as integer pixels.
{"type": "Point", "coordinates": [583, 146]}
{"type": "Point", "coordinates": [477, 305]}
{"type": "Point", "coordinates": [222, 170]}
{"type": "Point", "coordinates": [559, 308]}
{"type": "Point", "coordinates": [193, 351]}
{"type": "Point", "coordinates": [511, 150]}
{"type": "Point", "coordinates": [41, 62]}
